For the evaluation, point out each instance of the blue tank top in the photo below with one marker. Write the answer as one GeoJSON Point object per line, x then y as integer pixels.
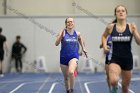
{"type": "Point", "coordinates": [121, 43]}
{"type": "Point", "coordinates": [69, 45]}
{"type": "Point", "coordinates": [109, 43]}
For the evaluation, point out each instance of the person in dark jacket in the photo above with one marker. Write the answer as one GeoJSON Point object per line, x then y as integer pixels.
{"type": "Point", "coordinates": [18, 49]}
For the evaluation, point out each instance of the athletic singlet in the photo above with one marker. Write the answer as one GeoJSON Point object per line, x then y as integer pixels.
{"type": "Point", "coordinates": [121, 43]}
{"type": "Point", "coordinates": [69, 45]}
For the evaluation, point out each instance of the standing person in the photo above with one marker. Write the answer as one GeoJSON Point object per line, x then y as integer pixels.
{"type": "Point", "coordinates": [69, 55]}
{"type": "Point", "coordinates": [17, 52]}
{"type": "Point", "coordinates": [2, 45]}
{"type": "Point", "coordinates": [107, 59]}
{"type": "Point", "coordinates": [122, 59]}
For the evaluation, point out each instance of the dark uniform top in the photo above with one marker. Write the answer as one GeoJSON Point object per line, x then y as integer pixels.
{"type": "Point", "coordinates": [121, 42]}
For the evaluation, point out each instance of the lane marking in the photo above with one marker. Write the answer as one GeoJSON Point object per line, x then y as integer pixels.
{"type": "Point", "coordinates": [120, 85]}
{"type": "Point", "coordinates": [80, 84]}
{"type": "Point", "coordinates": [18, 87]}
{"type": "Point", "coordinates": [86, 85]}
{"type": "Point", "coordinates": [43, 84]}
{"type": "Point", "coordinates": [133, 79]}
{"type": "Point", "coordinates": [52, 87]}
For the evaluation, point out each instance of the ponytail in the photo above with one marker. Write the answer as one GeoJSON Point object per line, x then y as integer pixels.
{"type": "Point", "coordinates": [114, 21]}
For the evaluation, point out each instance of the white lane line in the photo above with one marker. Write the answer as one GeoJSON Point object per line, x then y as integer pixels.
{"type": "Point", "coordinates": [88, 90]}
{"type": "Point", "coordinates": [86, 85]}
{"type": "Point", "coordinates": [13, 91]}
{"type": "Point", "coordinates": [42, 86]}
{"type": "Point", "coordinates": [52, 87]}
{"type": "Point", "coordinates": [45, 81]}
{"type": "Point", "coordinates": [80, 84]}
{"type": "Point", "coordinates": [133, 79]}
{"type": "Point", "coordinates": [120, 85]}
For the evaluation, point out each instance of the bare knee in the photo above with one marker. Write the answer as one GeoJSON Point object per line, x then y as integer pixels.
{"type": "Point", "coordinates": [114, 81]}
{"type": "Point", "coordinates": [114, 78]}
{"type": "Point", "coordinates": [114, 73]}
{"type": "Point", "coordinates": [71, 73]}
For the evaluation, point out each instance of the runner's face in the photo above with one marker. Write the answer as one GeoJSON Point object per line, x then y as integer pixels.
{"type": "Point", "coordinates": [121, 13]}
{"type": "Point", "coordinates": [70, 23]}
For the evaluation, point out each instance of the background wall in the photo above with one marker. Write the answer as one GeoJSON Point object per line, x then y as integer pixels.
{"type": "Point", "coordinates": [38, 22]}
{"type": "Point", "coordinates": [65, 7]}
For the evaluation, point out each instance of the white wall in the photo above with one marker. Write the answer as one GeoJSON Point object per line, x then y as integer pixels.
{"type": "Point", "coordinates": [63, 7]}
{"type": "Point", "coordinates": [41, 43]}
{"type": "Point", "coordinates": [106, 7]}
